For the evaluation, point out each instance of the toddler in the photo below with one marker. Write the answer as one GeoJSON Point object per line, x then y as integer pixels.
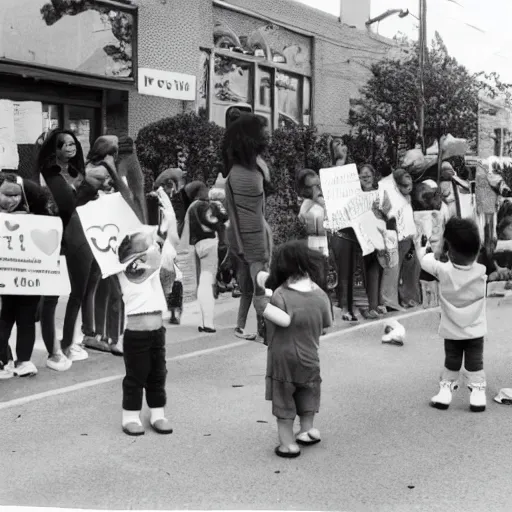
{"type": "Point", "coordinates": [298, 313]}
{"type": "Point", "coordinates": [144, 337]}
{"type": "Point", "coordinates": [462, 299]}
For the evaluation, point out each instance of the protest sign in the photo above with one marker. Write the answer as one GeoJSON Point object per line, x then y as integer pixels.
{"type": "Point", "coordinates": [431, 224]}
{"type": "Point", "coordinates": [349, 207]}
{"type": "Point", "coordinates": [401, 210]}
{"type": "Point", "coordinates": [30, 241]}
{"type": "Point", "coordinates": [9, 157]}
{"type": "Point", "coordinates": [105, 222]}
{"type": "Point", "coordinates": [23, 281]}
{"type": "Point", "coordinates": [30, 256]}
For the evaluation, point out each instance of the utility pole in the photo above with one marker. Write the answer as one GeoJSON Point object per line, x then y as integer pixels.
{"type": "Point", "coordinates": [422, 46]}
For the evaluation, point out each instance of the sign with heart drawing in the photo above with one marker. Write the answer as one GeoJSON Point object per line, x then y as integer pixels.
{"type": "Point", "coordinates": [30, 255]}
{"type": "Point", "coordinates": [32, 241]}
{"type": "Point", "coordinates": [105, 221]}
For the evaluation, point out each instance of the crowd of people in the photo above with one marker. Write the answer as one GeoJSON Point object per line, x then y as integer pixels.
{"type": "Point", "coordinates": [223, 234]}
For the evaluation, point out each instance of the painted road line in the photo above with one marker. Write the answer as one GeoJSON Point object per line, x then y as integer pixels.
{"type": "Point", "coordinates": [105, 380]}
{"type": "Point", "coordinates": [98, 382]}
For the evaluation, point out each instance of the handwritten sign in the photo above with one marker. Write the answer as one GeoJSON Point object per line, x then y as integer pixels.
{"type": "Point", "coordinates": [30, 261]}
{"type": "Point", "coordinates": [9, 157]}
{"type": "Point", "coordinates": [28, 117]}
{"type": "Point", "coordinates": [32, 241]}
{"type": "Point", "coordinates": [15, 279]}
{"type": "Point", "coordinates": [105, 222]}
{"type": "Point", "coordinates": [349, 207]}
{"type": "Point", "coordinates": [431, 224]}
{"type": "Point", "coordinates": [166, 84]}
{"type": "Point", "coordinates": [401, 210]}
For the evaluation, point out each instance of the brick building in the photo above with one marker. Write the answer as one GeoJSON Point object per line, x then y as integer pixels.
{"type": "Point", "coordinates": [494, 128]}
{"type": "Point", "coordinates": [116, 65]}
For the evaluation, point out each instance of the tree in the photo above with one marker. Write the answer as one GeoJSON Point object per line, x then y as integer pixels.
{"type": "Point", "coordinates": [383, 119]}
{"type": "Point", "coordinates": [120, 23]}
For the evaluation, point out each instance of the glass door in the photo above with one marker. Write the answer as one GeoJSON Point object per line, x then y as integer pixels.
{"type": "Point", "coordinates": [84, 122]}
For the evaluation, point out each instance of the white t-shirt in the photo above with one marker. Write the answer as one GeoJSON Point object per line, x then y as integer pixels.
{"type": "Point", "coordinates": [146, 297]}
{"type": "Point", "coordinates": [462, 297]}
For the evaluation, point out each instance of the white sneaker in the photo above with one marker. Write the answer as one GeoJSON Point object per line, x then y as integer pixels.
{"type": "Point", "coordinates": [444, 398]}
{"type": "Point", "coordinates": [25, 369]}
{"type": "Point", "coordinates": [59, 362]}
{"type": "Point", "coordinates": [477, 399]}
{"type": "Point", "coordinates": [7, 371]}
{"type": "Point", "coordinates": [77, 353]}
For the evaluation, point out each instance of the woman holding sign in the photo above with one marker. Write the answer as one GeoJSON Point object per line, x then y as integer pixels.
{"type": "Point", "coordinates": [19, 196]}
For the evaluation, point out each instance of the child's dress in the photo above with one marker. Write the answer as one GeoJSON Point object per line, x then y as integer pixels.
{"type": "Point", "coordinates": [292, 357]}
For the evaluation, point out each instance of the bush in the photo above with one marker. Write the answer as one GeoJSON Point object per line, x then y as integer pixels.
{"type": "Point", "coordinates": [192, 143]}
{"type": "Point", "coordinates": [290, 150]}
{"type": "Point", "coordinates": [187, 141]}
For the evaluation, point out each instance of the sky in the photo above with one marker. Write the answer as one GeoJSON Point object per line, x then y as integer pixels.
{"type": "Point", "coordinates": [488, 47]}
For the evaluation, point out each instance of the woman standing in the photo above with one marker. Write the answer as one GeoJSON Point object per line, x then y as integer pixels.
{"type": "Point", "coordinates": [61, 161]}
{"type": "Point", "coordinates": [202, 223]}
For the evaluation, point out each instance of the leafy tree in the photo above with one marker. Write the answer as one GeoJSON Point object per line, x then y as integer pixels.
{"type": "Point", "coordinates": [383, 119]}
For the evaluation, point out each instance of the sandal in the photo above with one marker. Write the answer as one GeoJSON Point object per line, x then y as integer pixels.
{"type": "Point", "coordinates": [308, 438]}
{"type": "Point", "coordinates": [286, 455]}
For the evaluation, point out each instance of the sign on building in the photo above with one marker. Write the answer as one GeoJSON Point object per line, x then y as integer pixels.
{"type": "Point", "coordinates": [166, 84]}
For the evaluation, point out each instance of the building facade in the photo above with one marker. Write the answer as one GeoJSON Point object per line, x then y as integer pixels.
{"type": "Point", "coordinates": [114, 66]}
{"type": "Point", "coordinates": [494, 128]}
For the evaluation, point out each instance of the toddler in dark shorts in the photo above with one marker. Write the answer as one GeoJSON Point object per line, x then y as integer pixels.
{"type": "Point", "coordinates": [298, 313]}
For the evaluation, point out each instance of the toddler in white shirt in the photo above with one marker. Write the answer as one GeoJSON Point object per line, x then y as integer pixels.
{"type": "Point", "coordinates": [462, 300]}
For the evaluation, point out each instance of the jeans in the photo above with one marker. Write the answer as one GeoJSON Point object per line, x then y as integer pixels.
{"type": "Point", "coordinates": [20, 310]}
{"type": "Point", "coordinates": [81, 266]}
{"type": "Point", "coordinates": [144, 361]}
{"type": "Point", "coordinates": [344, 252]}
{"type": "Point", "coordinates": [372, 279]}
{"type": "Point", "coordinates": [472, 350]}
{"type": "Point", "coordinates": [401, 282]}
{"type": "Point", "coordinates": [47, 320]}
{"type": "Point", "coordinates": [246, 276]}
{"type": "Point", "coordinates": [108, 309]}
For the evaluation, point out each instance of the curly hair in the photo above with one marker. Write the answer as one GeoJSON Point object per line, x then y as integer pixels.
{"type": "Point", "coordinates": [294, 259]}
{"type": "Point", "coordinates": [48, 148]}
{"type": "Point", "coordinates": [244, 140]}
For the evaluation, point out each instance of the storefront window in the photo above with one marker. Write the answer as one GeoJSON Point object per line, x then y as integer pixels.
{"type": "Point", "coordinates": [86, 37]}
{"type": "Point", "coordinates": [288, 100]}
{"type": "Point", "coordinates": [50, 117]}
{"type": "Point", "coordinates": [81, 122]}
{"type": "Point", "coordinates": [231, 84]}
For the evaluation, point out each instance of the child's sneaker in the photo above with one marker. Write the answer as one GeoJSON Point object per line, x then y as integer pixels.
{"type": "Point", "coordinates": [6, 371]}
{"type": "Point", "coordinates": [76, 353]}
{"type": "Point", "coordinates": [443, 399]}
{"type": "Point", "coordinates": [25, 369]}
{"type": "Point", "coordinates": [477, 399]}
{"type": "Point", "coordinates": [59, 362]}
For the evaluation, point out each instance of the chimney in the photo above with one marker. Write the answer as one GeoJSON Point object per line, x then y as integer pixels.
{"type": "Point", "coordinates": [355, 13]}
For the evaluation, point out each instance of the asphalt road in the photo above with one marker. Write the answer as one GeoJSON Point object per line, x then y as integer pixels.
{"type": "Point", "coordinates": [383, 448]}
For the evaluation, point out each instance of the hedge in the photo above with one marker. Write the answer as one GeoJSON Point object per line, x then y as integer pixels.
{"type": "Point", "coordinates": [192, 143]}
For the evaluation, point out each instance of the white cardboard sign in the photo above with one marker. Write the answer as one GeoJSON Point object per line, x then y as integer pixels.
{"type": "Point", "coordinates": [105, 222]}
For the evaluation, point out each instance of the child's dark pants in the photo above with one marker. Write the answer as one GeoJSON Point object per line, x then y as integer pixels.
{"type": "Point", "coordinates": [472, 350]}
{"type": "Point", "coordinates": [144, 360]}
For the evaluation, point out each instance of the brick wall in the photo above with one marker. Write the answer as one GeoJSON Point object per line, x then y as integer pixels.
{"type": "Point", "coordinates": [169, 37]}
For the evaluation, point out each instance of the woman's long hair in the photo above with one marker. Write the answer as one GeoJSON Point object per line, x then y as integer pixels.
{"type": "Point", "coordinates": [244, 140]}
{"type": "Point", "coordinates": [295, 260]}
{"type": "Point", "coordinates": [105, 145]}
{"type": "Point", "coordinates": [48, 150]}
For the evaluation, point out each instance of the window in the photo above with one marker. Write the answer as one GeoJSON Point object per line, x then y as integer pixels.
{"type": "Point", "coordinates": [93, 38]}
{"type": "Point", "coordinates": [279, 97]}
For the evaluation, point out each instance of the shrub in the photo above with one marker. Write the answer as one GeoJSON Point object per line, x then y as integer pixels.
{"type": "Point", "coordinates": [290, 150]}
{"type": "Point", "coordinates": [187, 141]}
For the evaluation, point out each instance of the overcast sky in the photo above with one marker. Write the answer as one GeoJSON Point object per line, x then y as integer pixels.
{"type": "Point", "coordinates": [488, 47]}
